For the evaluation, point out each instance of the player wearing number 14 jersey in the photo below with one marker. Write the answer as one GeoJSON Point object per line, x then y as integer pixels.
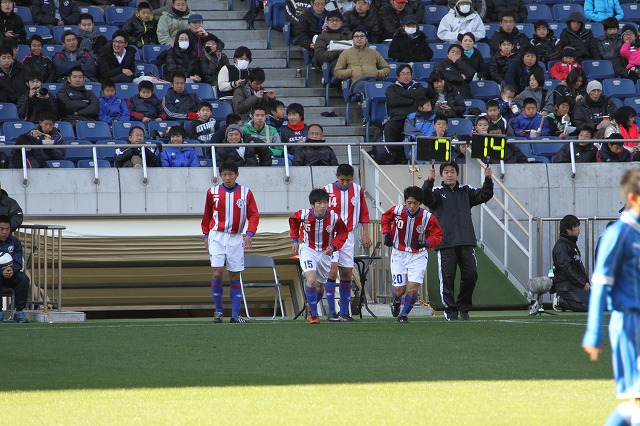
{"type": "Point", "coordinates": [410, 230]}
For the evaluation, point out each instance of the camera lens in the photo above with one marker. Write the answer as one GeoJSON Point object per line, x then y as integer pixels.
{"type": "Point", "coordinates": [43, 91]}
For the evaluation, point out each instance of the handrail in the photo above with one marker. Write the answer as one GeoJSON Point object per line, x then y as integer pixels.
{"type": "Point", "coordinates": [379, 194]}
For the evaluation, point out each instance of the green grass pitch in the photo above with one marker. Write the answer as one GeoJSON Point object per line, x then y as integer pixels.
{"type": "Point", "coordinates": [498, 369]}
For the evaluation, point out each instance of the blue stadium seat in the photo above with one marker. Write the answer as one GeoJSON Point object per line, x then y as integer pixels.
{"type": "Point", "coordinates": [617, 102]}
{"type": "Point", "coordinates": [106, 30]}
{"type": "Point", "coordinates": [24, 12]}
{"type": "Point", "coordinates": [422, 70]}
{"type": "Point", "coordinates": [596, 28]}
{"type": "Point", "coordinates": [392, 75]}
{"type": "Point", "coordinates": [309, 61]}
{"type": "Point", "coordinates": [53, 87]}
{"type": "Point", "coordinates": [562, 11]}
{"type": "Point", "coordinates": [208, 162]}
{"type": "Point", "coordinates": [12, 129]}
{"type": "Point", "coordinates": [631, 12]}
{"type": "Point", "coordinates": [537, 12]}
{"type": "Point", "coordinates": [526, 28]}
{"type": "Point", "coordinates": [619, 87]}
{"type": "Point", "coordinates": [557, 27]}
{"type": "Point", "coordinates": [460, 126]}
{"type": "Point", "coordinates": [8, 112]}
{"type": "Point", "coordinates": [49, 50]}
{"type": "Point", "coordinates": [7, 147]}
{"type": "Point", "coordinates": [550, 83]}
{"type": "Point", "coordinates": [60, 164]}
{"type": "Point", "coordinates": [118, 15]}
{"type": "Point", "coordinates": [490, 28]}
{"type": "Point", "coordinates": [95, 12]}
{"type": "Point", "coordinates": [126, 90]}
{"type": "Point", "coordinates": [93, 130]}
{"type": "Point", "coordinates": [598, 69]}
{"type": "Point", "coordinates": [374, 104]}
{"type": "Point", "coordinates": [23, 50]}
{"type": "Point", "coordinates": [147, 69]}
{"type": "Point", "coordinates": [66, 130]}
{"type": "Point", "coordinates": [59, 30]}
{"type": "Point", "coordinates": [485, 50]}
{"type": "Point", "coordinates": [382, 49]}
{"type": "Point", "coordinates": [150, 53]}
{"type": "Point", "coordinates": [86, 164]}
{"type": "Point", "coordinates": [203, 90]}
{"type": "Point", "coordinates": [40, 30]}
{"type": "Point", "coordinates": [431, 31]}
{"type": "Point", "coordinates": [121, 129]}
{"type": "Point", "coordinates": [475, 103]}
{"type": "Point", "coordinates": [274, 17]}
{"type": "Point", "coordinates": [221, 110]}
{"type": "Point", "coordinates": [161, 89]}
{"type": "Point", "coordinates": [485, 89]}
{"type": "Point", "coordinates": [439, 51]}
{"type": "Point", "coordinates": [83, 153]}
{"type": "Point", "coordinates": [107, 153]}
{"type": "Point", "coordinates": [546, 149]}
{"type": "Point", "coordinates": [633, 103]}
{"type": "Point", "coordinates": [160, 126]}
{"type": "Point", "coordinates": [434, 14]}
{"type": "Point", "coordinates": [96, 88]}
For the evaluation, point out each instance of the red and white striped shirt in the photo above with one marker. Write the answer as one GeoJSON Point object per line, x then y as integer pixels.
{"type": "Point", "coordinates": [227, 210]}
{"type": "Point", "coordinates": [349, 204]}
{"type": "Point", "coordinates": [406, 228]}
{"type": "Point", "coordinates": [318, 233]}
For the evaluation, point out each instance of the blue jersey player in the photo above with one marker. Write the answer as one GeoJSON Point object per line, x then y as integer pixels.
{"type": "Point", "coordinates": [616, 278]}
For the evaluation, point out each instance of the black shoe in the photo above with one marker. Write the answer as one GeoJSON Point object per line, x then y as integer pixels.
{"type": "Point", "coordinates": [403, 319]}
{"type": "Point", "coordinates": [464, 316]}
{"type": "Point", "coordinates": [451, 316]}
{"type": "Point", "coordinates": [238, 320]}
{"type": "Point", "coordinates": [333, 317]}
{"type": "Point", "coordinates": [395, 308]}
{"type": "Point", "coordinates": [346, 318]}
{"type": "Point", "coordinates": [217, 317]}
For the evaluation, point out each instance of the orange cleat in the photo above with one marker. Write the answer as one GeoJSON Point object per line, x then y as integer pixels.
{"type": "Point", "coordinates": [314, 319]}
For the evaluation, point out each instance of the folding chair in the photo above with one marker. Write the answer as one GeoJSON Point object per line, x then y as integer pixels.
{"type": "Point", "coordinates": [13, 129]}
{"type": "Point", "coordinates": [633, 103]}
{"type": "Point", "coordinates": [550, 83]}
{"type": "Point", "coordinates": [95, 12]}
{"type": "Point", "coordinates": [382, 49]}
{"type": "Point", "coordinates": [264, 263]}
{"type": "Point", "coordinates": [49, 50]}
{"type": "Point", "coordinates": [66, 129]}
{"type": "Point", "coordinates": [631, 12]}
{"type": "Point", "coordinates": [422, 70]}
{"type": "Point", "coordinates": [485, 89]}
{"type": "Point", "coordinates": [106, 30]}
{"type": "Point", "coordinates": [40, 30]}
{"type": "Point", "coordinates": [203, 90]}
{"type": "Point", "coordinates": [490, 28]}
{"type": "Point", "coordinates": [126, 90]}
{"type": "Point", "coordinates": [221, 110]}
{"type": "Point", "coordinates": [150, 53]}
{"type": "Point", "coordinates": [431, 31]}
{"type": "Point", "coordinates": [96, 88]}
{"type": "Point", "coordinates": [93, 130]}
{"type": "Point", "coordinates": [147, 69]}
{"type": "Point", "coordinates": [24, 12]}
{"type": "Point", "coordinates": [59, 30]}
{"type": "Point", "coordinates": [374, 104]}
{"type": "Point", "coordinates": [598, 69]}
{"type": "Point", "coordinates": [8, 293]}
{"type": "Point", "coordinates": [274, 17]}
{"type": "Point", "coordinates": [526, 28]}
{"type": "Point", "coordinates": [460, 126]}
{"type": "Point", "coordinates": [439, 51]}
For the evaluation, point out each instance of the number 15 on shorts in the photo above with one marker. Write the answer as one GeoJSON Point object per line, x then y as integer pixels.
{"type": "Point", "coordinates": [308, 264]}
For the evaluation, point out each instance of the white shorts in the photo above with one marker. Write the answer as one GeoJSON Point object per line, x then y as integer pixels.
{"type": "Point", "coordinates": [344, 256]}
{"type": "Point", "coordinates": [313, 260]}
{"type": "Point", "coordinates": [408, 267]}
{"type": "Point", "coordinates": [226, 249]}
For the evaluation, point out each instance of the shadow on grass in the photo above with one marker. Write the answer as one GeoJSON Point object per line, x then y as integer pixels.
{"type": "Point", "coordinates": [151, 354]}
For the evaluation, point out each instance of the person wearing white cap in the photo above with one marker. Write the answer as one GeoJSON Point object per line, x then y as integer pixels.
{"type": "Point", "coordinates": [594, 109]}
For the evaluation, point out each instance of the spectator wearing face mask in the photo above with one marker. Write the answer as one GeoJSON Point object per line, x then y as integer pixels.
{"type": "Point", "coordinates": [408, 44]}
{"type": "Point", "coordinates": [460, 20]}
{"type": "Point", "coordinates": [234, 75]}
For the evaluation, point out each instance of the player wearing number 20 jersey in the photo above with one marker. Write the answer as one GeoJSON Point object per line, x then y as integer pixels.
{"type": "Point", "coordinates": [406, 228]}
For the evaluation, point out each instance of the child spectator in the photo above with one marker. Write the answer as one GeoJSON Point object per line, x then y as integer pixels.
{"type": "Point", "coordinates": [112, 108]}
{"type": "Point", "coordinates": [481, 125]}
{"type": "Point", "coordinates": [508, 108]}
{"type": "Point", "coordinates": [276, 117]}
{"type": "Point", "coordinates": [36, 62]}
{"type": "Point", "coordinates": [175, 155]}
{"type": "Point", "coordinates": [142, 27]}
{"type": "Point", "coordinates": [236, 74]}
{"type": "Point", "coordinates": [212, 60]}
{"type": "Point", "coordinates": [535, 89]}
{"type": "Point", "coordinates": [38, 100]}
{"type": "Point", "coordinates": [632, 54]}
{"type": "Point", "coordinates": [530, 123]}
{"type": "Point", "coordinates": [609, 46]}
{"type": "Point", "coordinates": [584, 152]}
{"type": "Point", "coordinates": [296, 131]}
{"type": "Point", "coordinates": [205, 126]}
{"type": "Point", "coordinates": [13, 78]}
{"type": "Point", "coordinates": [447, 99]}
{"type": "Point", "coordinates": [457, 72]}
{"type": "Point", "coordinates": [34, 160]}
{"type": "Point", "coordinates": [48, 134]}
{"type": "Point", "coordinates": [560, 70]}
{"type": "Point", "coordinates": [547, 44]}
{"type": "Point", "coordinates": [613, 152]}
{"type": "Point", "coordinates": [89, 40]}
{"type": "Point", "coordinates": [512, 154]}
{"type": "Point", "coordinates": [440, 126]}
{"type": "Point", "coordinates": [508, 27]}
{"type": "Point", "coordinates": [573, 89]}
{"type": "Point", "coordinates": [11, 25]}
{"type": "Point", "coordinates": [420, 123]}
{"type": "Point", "coordinates": [145, 106]}
{"type": "Point", "coordinates": [252, 94]}
{"type": "Point", "coordinates": [52, 13]}
{"type": "Point", "coordinates": [315, 155]}
{"type": "Point", "coordinates": [501, 59]}
{"type": "Point", "coordinates": [560, 120]}
{"type": "Point", "coordinates": [258, 154]}
{"type": "Point", "coordinates": [495, 117]}
{"type": "Point", "coordinates": [581, 39]}
{"type": "Point", "coordinates": [517, 75]}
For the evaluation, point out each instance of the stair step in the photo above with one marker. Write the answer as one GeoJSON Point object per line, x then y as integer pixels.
{"type": "Point", "coordinates": [210, 16]}
{"type": "Point", "coordinates": [273, 83]}
{"type": "Point", "coordinates": [242, 35]}
{"type": "Point", "coordinates": [234, 43]}
{"type": "Point", "coordinates": [198, 5]}
{"type": "Point", "coordinates": [268, 63]}
{"type": "Point", "coordinates": [239, 24]}
{"type": "Point", "coordinates": [305, 101]}
{"type": "Point", "coordinates": [344, 130]}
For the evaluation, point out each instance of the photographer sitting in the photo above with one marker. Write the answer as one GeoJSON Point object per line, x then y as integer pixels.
{"type": "Point", "coordinates": [38, 100]}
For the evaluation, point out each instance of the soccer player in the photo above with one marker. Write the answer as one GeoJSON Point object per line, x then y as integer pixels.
{"type": "Point", "coordinates": [616, 277]}
{"type": "Point", "coordinates": [347, 200]}
{"type": "Point", "coordinates": [323, 233]}
{"type": "Point", "coordinates": [410, 230]}
{"type": "Point", "coordinates": [227, 209]}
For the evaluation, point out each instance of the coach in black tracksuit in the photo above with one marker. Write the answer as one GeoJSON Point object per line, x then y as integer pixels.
{"type": "Point", "coordinates": [451, 203]}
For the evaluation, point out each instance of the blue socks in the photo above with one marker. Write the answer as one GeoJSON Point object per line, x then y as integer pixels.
{"type": "Point", "coordinates": [216, 292]}
{"type": "Point", "coordinates": [236, 297]}
{"type": "Point", "coordinates": [330, 289]}
{"type": "Point", "coordinates": [345, 297]}
{"type": "Point", "coordinates": [312, 299]}
{"type": "Point", "coordinates": [408, 304]}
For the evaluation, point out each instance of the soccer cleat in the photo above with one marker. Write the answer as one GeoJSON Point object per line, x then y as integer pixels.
{"type": "Point", "coordinates": [20, 317]}
{"type": "Point", "coordinates": [314, 319]}
{"type": "Point", "coordinates": [333, 317]}
{"type": "Point", "coordinates": [451, 316]}
{"type": "Point", "coordinates": [556, 304]}
{"type": "Point", "coordinates": [346, 318]}
{"type": "Point", "coordinates": [217, 317]}
{"type": "Point", "coordinates": [395, 308]}
{"type": "Point", "coordinates": [403, 319]}
{"type": "Point", "coordinates": [464, 316]}
{"type": "Point", "coordinates": [238, 320]}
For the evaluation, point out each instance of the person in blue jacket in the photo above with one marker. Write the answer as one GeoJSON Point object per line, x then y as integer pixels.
{"type": "Point", "coordinates": [599, 10]}
{"type": "Point", "coordinates": [419, 123]}
{"type": "Point", "coordinates": [178, 156]}
{"type": "Point", "coordinates": [530, 124]}
{"type": "Point", "coordinates": [112, 108]}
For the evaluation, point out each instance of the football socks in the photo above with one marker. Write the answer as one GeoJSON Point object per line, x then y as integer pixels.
{"type": "Point", "coordinates": [330, 289]}
{"type": "Point", "coordinates": [216, 291]}
{"type": "Point", "coordinates": [312, 299]}
{"type": "Point", "coordinates": [236, 297]}
{"type": "Point", "coordinates": [345, 297]}
{"type": "Point", "coordinates": [408, 304]}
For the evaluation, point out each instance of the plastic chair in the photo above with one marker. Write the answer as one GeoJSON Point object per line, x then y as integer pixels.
{"type": "Point", "coordinates": [106, 30]}
{"type": "Point", "coordinates": [490, 29]}
{"type": "Point", "coordinates": [89, 164]}
{"type": "Point", "coordinates": [562, 11]}
{"type": "Point", "coordinates": [631, 12]}
{"type": "Point", "coordinates": [274, 17]}
{"type": "Point", "coordinates": [160, 126]}
{"type": "Point", "coordinates": [96, 88]}
{"type": "Point", "coordinates": [60, 164]}
{"type": "Point", "coordinates": [619, 87]}
{"type": "Point", "coordinates": [617, 102]}
{"type": "Point", "coordinates": [526, 28]}
{"type": "Point", "coordinates": [460, 126]}
{"type": "Point", "coordinates": [598, 69]}
{"type": "Point", "coordinates": [93, 130]}
{"type": "Point", "coordinates": [221, 110]}
{"type": "Point", "coordinates": [422, 70]}
{"type": "Point", "coordinates": [547, 149]}
{"type": "Point", "coordinates": [121, 129]}
{"type": "Point", "coordinates": [203, 90]}
{"type": "Point", "coordinates": [150, 53]}
{"type": "Point", "coordinates": [431, 31]}
{"type": "Point", "coordinates": [53, 87]}
{"type": "Point", "coordinates": [147, 69]}
{"type": "Point", "coordinates": [75, 154]}
{"type": "Point", "coordinates": [434, 14]}
{"type": "Point", "coordinates": [161, 89]}
{"type": "Point", "coordinates": [49, 50]}
{"type": "Point", "coordinates": [40, 30]}
{"type": "Point", "coordinates": [537, 12]}
{"type": "Point", "coordinates": [633, 103]}
{"type": "Point", "coordinates": [8, 112]}
{"type": "Point", "coordinates": [550, 83]}
{"type": "Point", "coordinates": [382, 49]}
{"type": "Point", "coordinates": [374, 104]}
{"type": "Point", "coordinates": [475, 103]}
{"type": "Point", "coordinates": [23, 51]}
{"type": "Point", "coordinates": [66, 129]}
{"type": "Point", "coordinates": [264, 264]}
{"type": "Point", "coordinates": [596, 28]}
{"type": "Point", "coordinates": [118, 15]}
{"type": "Point", "coordinates": [59, 30]}
{"type": "Point", "coordinates": [484, 49]}
{"type": "Point", "coordinates": [126, 90]}
{"type": "Point", "coordinates": [12, 129]}
{"type": "Point", "coordinates": [557, 27]}
{"type": "Point", "coordinates": [24, 12]}
{"type": "Point", "coordinates": [485, 89]}
{"type": "Point", "coordinates": [439, 51]}
{"type": "Point", "coordinates": [95, 12]}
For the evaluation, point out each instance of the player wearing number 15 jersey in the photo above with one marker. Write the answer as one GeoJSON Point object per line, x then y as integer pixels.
{"type": "Point", "coordinates": [227, 209]}
{"type": "Point", "coordinates": [410, 230]}
{"type": "Point", "coordinates": [323, 232]}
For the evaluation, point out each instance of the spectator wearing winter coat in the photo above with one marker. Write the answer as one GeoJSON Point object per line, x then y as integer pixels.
{"type": "Point", "coordinates": [71, 56]}
{"type": "Point", "coordinates": [132, 157]}
{"type": "Point", "coordinates": [497, 8]}
{"type": "Point", "coordinates": [390, 17]}
{"type": "Point", "coordinates": [13, 79]}
{"type": "Point", "coordinates": [335, 31]}
{"type": "Point", "coordinates": [536, 90]}
{"type": "Point", "coordinates": [182, 56]}
{"type": "Point", "coordinates": [342, 6]}
{"type": "Point", "coordinates": [117, 60]}
{"type": "Point", "coordinates": [530, 123]}
{"type": "Point", "coordinates": [581, 39]}
{"type": "Point", "coordinates": [172, 21]}
{"type": "Point", "coordinates": [545, 42]}
{"type": "Point", "coordinates": [623, 122]}
{"type": "Point", "coordinates": [632, 54]}
{"type": "Point", "coordinates": [197, 34]}
{"type": "Point", "coordinates": [47, 134]}
{"type": "Point", "coordinates": [35, 158]}
{"type": "Point", "coordinates": [363, 15]}
{"type": "Point", "coordinates": [33, 104]}
{"type": "Point", "coordinates": [244, 156]}
{"type": "Point", "coordinates": [211, 61]}
{"type": "Point", "coordinates": [205, 126]}
{"type": "Point", "coordinates": [480, 6]}
{"type": "Point", "coordinates": [296, 130]}
{"type": "Point", "coordinates": [89, 40]}
{"type": "Point", "coordinates": [518, 72]}
{"type": "Point", "coordinates": [252, 94]}
{"type": "Point", "coordinates": [236, 74]}
{"type": "Point", "coordinates": [447, 99]}
{"type": "Point", "coordinates": [53, 13]}
{"type": "Point", "coordinates": [599, 10]}
{"type": "Point", "coordinates": [420, 122]}
{"type": "Point", "coordinates": [145, 106]}
{"type": "Point", "coordinates": [401, 101]}
{"type": "Point", "coordinates": [457, 71]}
{"type": "Point", "coordinates": [315, 155]}
{"type": "Point", "coordinates": [593, 108]}
{"type": "Point", "coordinates": [293, 10]}
{"type": "Point", "coordinates": [584, 152]}
{"type": "Point", "coordinates": [560, 70]}
{"type": "Point", "coordinates": [11, 25]}
{"type": "Point", "coordinates": [36, 62]}
{"type": "Point", "coordinates": [311, 24]}
{"type": "Point", "coordinates": [573, 89]}
{"type": "Point", "coordinates": [259, 128]}
{"type": "Point", "coordinates": [408, 44]}
{"type": "Point", "coordinates": [177, 103]}
{"type": "Point", "coordinates": [610, 43]}
{"type": "Point", "coordinates": [75, 102]}
{"type": "Point", "coordinates": [613, 152]}
{"type": "Point", "coordinates": [501, 60]}
{"type": "Point", "coordinates": [508, 27]}
{"type": "Point", "coordinates": [176, 154]}
{"type": "Point", "coordinates": [142, 27]}
{"type": "Point", "coordinates": [112, 108]}
{"type": "Point", "coordinates": [472, 55]}
{"type": "Point", "coordinates": [460, 20]}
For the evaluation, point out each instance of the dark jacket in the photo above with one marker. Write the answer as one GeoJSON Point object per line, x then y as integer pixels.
{"type": "Point", "coordinates": [321, 50]}
{"type": "Point", "coordinates": [517, 75]}
{"type": "Point", "coordinates": [402, 102]}
{"type": "Point", "coordinates": [406, 48]}
{"type": "Point", "coordinates": [149, 107]}
{"type": "Point", "coordinates": [244, 98]}
{"type": "Point", "coordinates": [605, 155]}
{"type": "Point", "coordinates": [568, 269]}
{"type": "Point", "coordinates": [581, 40]}
{"type": "Point", "coordinates": [309, 25]}
{"type": "Point", "coordinates": [77, 99]}
{"type": "Point", "coordinates": [13, 246]}
{"type": "Point", "coordinates": [609, 49]}
{"type": "Point", "coordinates": [590, 112]}
{"type": "Point", "coordinates": [110, 68]}
{"type": "Point", "coordinates": [30, 108]}
{"type": "Point", "coordinates": [549, 48]}
{"type": "Point", "coordinates": [123, 157]}
{"type": "Point", "coordinates": [452, 208]}
{"type": "Point", "coordinates": [562, 92]}
{"type": "Point", "coordinates": [187, 61]}
{"type": "Point", "coordinates": [13, 22]}
{"type": "Point", "coordinates": [294, 10]}
{"type": "Point", "coordinates": [92, 43]}
{"type": "Point", "coordinates": [141, 33]}
{"type": "Point", "coordinates": [389, 21]}
{"type": "Point", "coordinates": [583, 154]}
{"type": "Point", "coordinates": [209, 67]}
{"type": "Point", "coordinates": [55, 138]}
{"type": "Point", "coordinates": [202, 131]}
{"type": "Point", "coordinates": [496, 7]}
{"type": "Point", "coordinates": [44, 12]}
{"type": "Point", "coordinates": [499, 65]}
{"type": "Point", "coordinates": [41, 65]}
{"type": "Point", "coordinates": [352, 20]}
{"type": "Point", "coordinates": [177, 106]}
{"type": "Point", "coordinates": [455, 100]}
{"type": "Point", "coordinates": [10, 207]}
{"type": "Point", "coordinates": [520, 40]}
{"type": "Point", "coordinates": [35, 157]}
{"type": "Point", "coordinates": [258, 155]}
{"type": "Point", "coordinates": [477, 63]}
{"type": "Point", "coordinates": [63, 61]}
{"type": "Point", "coordinates": [314, 156]}
{"type": "Point", "coordinates": [513, 155]}
{"type": "Point", "coordinates": [13, 84]}
{"type": "Point", "coordinates": [453, 74]}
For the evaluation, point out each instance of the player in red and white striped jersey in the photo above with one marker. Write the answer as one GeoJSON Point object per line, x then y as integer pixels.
{"type": "Point", "coordinates": [346, 198]}
{"type": "Point", "coordinates": [228, 208]}
{"type": "Point", "coordinates": [410, 230]}
{"type": "Point", "coordinates": [322, 232]}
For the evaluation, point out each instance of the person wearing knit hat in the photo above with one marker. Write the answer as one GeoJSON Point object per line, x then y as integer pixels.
{"type": "Point", "coordinates": [609, 45]}
{"type": "Point", "coordinates": [460, 20]}
{"type": "Point", "coordinates": [258, 155]}
{"type": "Point", "coordinates": [578, 37]}
{"type": "Point", "coordinates": [560, 70]}
{"type": "Point", "coordinates": [594, 109]}
{"type": "Point", "coordinates": [594, 85]}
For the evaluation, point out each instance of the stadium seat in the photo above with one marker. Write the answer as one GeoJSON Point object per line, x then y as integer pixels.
{"type": "Point", "coordinates": [60, 164]}
{"type": "Point", "coordinates": [8, 112]}
{"type": "Point", "coordinates": [391, 78]}
{"type": "Point", "coordinates": [221, 110]}
{"type": "Point", "coordinates": [537, 12]}
{"type": "Point", "coordinates": [309, 62]}
{"type": "Point", "coordinates": [266, 266]}
{"type": "Point", "coordinates": [203, 90]}
{"type": "Point", "coordinates": [96, 88]}
{"type": "Point", "coordinates": [106, 30]}
{"type": "Point", "coordinates": [59, 30]}
{"type": "Point", "coordinates": [490, 28]}
{"type": "Point", "coordinates": [546, 149]}
{"type": "Point", "coordinates": [274, 17]}
{"type": "Point", "coordinates": [460, 126]}
{"type": "Point", "coordinates": [617, 102]}
{"type": "Point", "coordinates": [422, 70]}
{"type": "Point", "coordinates": [160, 126]}
{"type": "Point", "coordinates": [475, 103]}
{"type": "Point", "coordinates": [382, 49]}
{"type": "Point", "coordinates": [66, 130]}
{"type": "Point", "coordinates": [598, 69]}
{"type": "Point", "coordinates": [93, 130]}
{"type": "Point", "coordinates": [126, 90]}
{"type": "Point", "coordinates": [49, 50]}
{"type": "Point", "coordinates": [485, 89]}
{"type": "Point", "coordinates": [374, 105]}
{"type": "Point", "coordinates": [53, 87]}
{"type": "Point", "coordinates": [619, 87]}
{"type": "Point", "coordinates": [40, 30]}
{"type": "Point", "coordinates": [161, 89]}
{"type": "Point", "coordinates": [95, 12]}
{"type": "Point", "coordinates": [7, 147]}
{"type": "Point", "coordinates": [631, 12]}
{"type": "Point", "coordinates": [439, 51]}
{"type": "Point", "coordinates": [147, 69]}
{"type": "Point", "coordinates": [107, 153]}
{"type": "Point", "coordinates": [485, 51]}
{"type": "Point", "coordinates": [86, 164]}
{"type": "Point", "coordinates": [633, 103]}
{"type": "Point", "coordinates": [526, 28]}
{"type": "Point", "coordinates": [118, 15]}
{"type": "Point", "coordinates": [550, 83]}
{"type": "Point", "coordinates": [24, 13]}
{"type": "Point", "coordinates": [434, 14]}
{"type": "Point", "coordinates": [562, 11]}
{"type": "Point", "coordinates": [557, 28]}
{"type": "Point", "coordinates": [431, 31]}
{"type": "Point", "coordinates": [150, 53]}
{"type": "Point", "coordinates": [83, 153]}
{"type": "Point", "coordinates": [121, 129]}
{"type": "Point", "coordinates": [23, 50]}
{"type": "Point", "coordinates": [596, 28]}
{"type": "Point", "coordinates": [207, 162]}
{"type": "Point", "coordinates": [12, 129]}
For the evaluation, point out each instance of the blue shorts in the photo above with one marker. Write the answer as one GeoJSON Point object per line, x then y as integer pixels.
{"type": "Point", "coordinates": [624, 333]}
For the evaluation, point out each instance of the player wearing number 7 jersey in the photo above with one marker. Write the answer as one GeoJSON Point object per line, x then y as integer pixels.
{"type": "Point", "coordinates": [410, 230]}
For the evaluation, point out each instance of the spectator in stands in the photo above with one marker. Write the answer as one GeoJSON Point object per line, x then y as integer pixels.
{"type": "Point", "coordinates": [342, 6]}
{"type": "Point", "coordinates": [631, 53]}
{"type": "Point", "coordinates": [252, 94]}
{"type": "Point", "coordinates": [530, 124]}
{"type": "Point", "coordinates": [363, 15]}
{"type": "Point", "coordinates": [560, 120]}
{"type": "Point", "coordinates": [507, 27]}
{"type": "Point", "coordinates": [205, 126]}
{"type": "Point", "coordinates": [117, 60]}
{"type": "Point", "coordinates": [36, 62]}
{"type": "Point", "coordinates": [623, 121]}
{"type": "Point", "coordinates": [259, 128]}
{"type": "Point", "coordinates": [508, 107]}
{"type": "Point", "coordinates": [578, 37]}
{"type": "Point", "coordinates": [296, 130]}
{"type": "Point", "coordinates": [13, 78]}
{"type": "Point", "coordinates": [480, 6]}
{"type": "Point", "coordinates": [89, 40]}
{"type": "Point", "coordinates": [456, 71]}
{"type": "Point", "coordinates": [176, 154]}
{"type": "Point", "coordinates": [160, 6]}
{"type": "Point", "coordinates": [574, 89]}
{"type": "Point", "coordinates": [311, 24]}
{"type": "Point", "coordinates": [211, 61]}
{"type": "Point", "coordinates": [197, 34]}
{"type": "Point", "coordinates": [250, 156]}
{"type": "Point", "coordinates": [177, 103]}
{"type": "Point", "coordinates": [401, 101]}
{"type": "Point", "coordinates": [537, 91]}
{"type": "Point", "coordinates": [560, 70]}
{"type": "Point", "coordinates": [609, 46]}
{"type": "Point", "coordinates": [481, 125]}
{"type": "Point", "coordinates": [447, 99]}
{"type": "Point", "coordinates": [613, 152]}
{"type": "Point", "coordinates": [584, 152]}
{"type": "Point", "coordinates": [494, 116]}
{"type": "Point", "coordinates": [145, 106]}
{"type": "Point", "coordinates": [599, 10]}
{"type": "Point", "coordinates": [182, 56]}
{"type": "Point", "coordinates": [12, 275]}
{"type": "Point", "coordinates": [294, 9]}
{"type": "Point", "coordinates": [233, 118]}
{"type": "Point", "coordinates": [408, 44]}
{"type": "Point", "coordinates": [47, 134]}
{"type": "Point", "coordinates": [496, 10]}
{"type": "Point", "coordinates": [315, 155]}
{"type": "Point", "coordinates": [361, 63]}
{"type": "Point", "coordinates": [35, 158]}
{"type": "Point", "coordinates": [10, 208]}
{"type": "Point", "coordinates": [36, 101]}
{"type": "Point", "coordinates": [420, 122]}
{"type": "Point", "coordinates": [55, 13]}
{"type": "Point", "coordinates": [335, 31]}
{"type": "Point", "coordinates": [629, 35]}
{"type": "Point", "coordinates": [440, 126]}
{"type": "Point", "coordinates": [112, 108]}
{"type": "Point", "coordinates": [512, 154]}
{"type": "Point", "coordinates": [277, 115]}
{"type": "Point", "coordinates": [545, 42]}
{"type": "Point", "coordinates": [71, 56]}
{"type": "Point", "coordinates": [518, 72]}
{"type": "Point", "coordinates": [234, 75]}
{"type": "Point", "coordinates": [594, 109]}
{"type": "Point", "coordinates": [11, 25]}
{"type": "Point", "coordinates": [473, 55]}
{"type": "Point", "coordinates": [460, 20]}
{"type": "Point", "coordinates": [132, 157]}
{"type": "Point", "coordinates": [142, 27]}
{"type": "Point", "coordinates": [501, 60]}
{"type": "Point", "coordinates": [172, 21]}
{"type": "Point", "coordinates": [390, 17]}
{"type": "Point", "coordinates": [75, 102]}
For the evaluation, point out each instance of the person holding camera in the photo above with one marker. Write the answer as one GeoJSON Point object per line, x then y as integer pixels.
{"type": "Point", "coordinates": [37, 101]}
{"type": "Point", "coordinates": [252, 94]}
